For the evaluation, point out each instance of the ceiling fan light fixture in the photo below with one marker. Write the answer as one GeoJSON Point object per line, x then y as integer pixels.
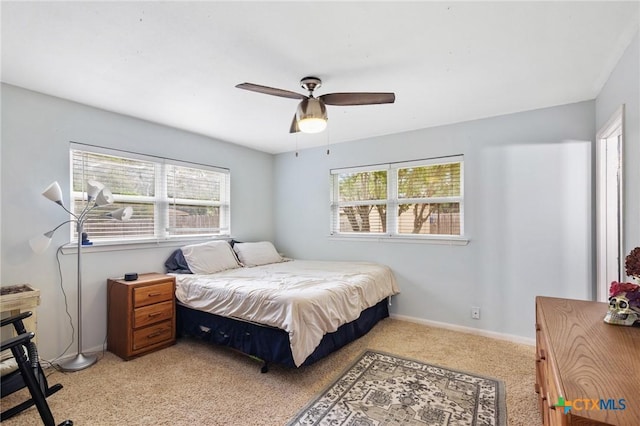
{"type": "Point", "coordinates": [312, 116]}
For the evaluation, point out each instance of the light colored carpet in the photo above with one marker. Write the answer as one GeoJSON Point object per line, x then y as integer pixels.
{"type": "Point", "coordinates": [197, 383]}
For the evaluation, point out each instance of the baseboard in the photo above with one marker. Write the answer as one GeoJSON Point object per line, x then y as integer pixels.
{"type": "Point", "coordinates": [469, 330]}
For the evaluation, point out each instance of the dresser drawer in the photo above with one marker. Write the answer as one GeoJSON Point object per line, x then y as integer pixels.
{"type": "Point", "coordinates": [540, 360]}
{"type": "Point", "coordinates": [155, 293]}
{"type": "Point", "coordinates": [153, 334]}
{"type": "Point", "coordinates": [152, 313]}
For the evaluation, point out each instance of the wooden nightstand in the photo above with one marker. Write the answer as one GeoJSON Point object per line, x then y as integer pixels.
{"type": "Point", "coordinates": [141, 314]}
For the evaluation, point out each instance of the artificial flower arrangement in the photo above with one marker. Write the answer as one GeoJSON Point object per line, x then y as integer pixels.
{"type": "Point", "coordinates": [632, 263]}
{"type": "Point", "coordinates": [624, 298]}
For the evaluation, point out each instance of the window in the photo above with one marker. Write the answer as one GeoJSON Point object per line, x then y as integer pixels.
{"type": "Point", "coordinates": [410, 199]}
{"type": "Point", "coordinates": [170, 199]}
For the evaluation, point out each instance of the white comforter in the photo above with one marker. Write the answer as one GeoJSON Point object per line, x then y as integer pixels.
{"type": "Point", "coordinates": [307, 299]}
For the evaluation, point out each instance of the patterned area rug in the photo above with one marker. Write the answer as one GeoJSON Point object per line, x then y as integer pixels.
{"type": "Point", "coordinates": [383, 389]}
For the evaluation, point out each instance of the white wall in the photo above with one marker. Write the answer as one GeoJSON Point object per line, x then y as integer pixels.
{"type": "Point", "coordinates": [528, 214]}
{"type": "Point", "coordinates": [623, 87]}
{"type": "Point", "coordinates": [36, 130]}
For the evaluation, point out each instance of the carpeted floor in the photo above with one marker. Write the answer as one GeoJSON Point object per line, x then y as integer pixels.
{"type": "Point", "coordinates": [196, 383]}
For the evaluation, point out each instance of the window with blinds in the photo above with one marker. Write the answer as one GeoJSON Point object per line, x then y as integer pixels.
{"type": "Point", "coordinates": [169, 198]}
{"type": "Point", "coordinates": [417, 198]}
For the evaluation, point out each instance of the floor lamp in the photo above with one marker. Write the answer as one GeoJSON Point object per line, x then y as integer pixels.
{"type": "Point", "coordinates": [97, 196]}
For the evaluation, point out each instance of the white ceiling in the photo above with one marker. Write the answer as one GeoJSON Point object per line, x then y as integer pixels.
{"type": "Point", "coordinates": [177, 63]}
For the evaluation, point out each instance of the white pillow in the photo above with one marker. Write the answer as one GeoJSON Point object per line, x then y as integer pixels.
{"type": "Point", "coordinates": [210, 257]}
{"type": "Point", "coordinates": [255, 254]}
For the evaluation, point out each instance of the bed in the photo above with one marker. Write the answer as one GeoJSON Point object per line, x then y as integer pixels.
{"type": "Point", "coordinates": [289, 312]}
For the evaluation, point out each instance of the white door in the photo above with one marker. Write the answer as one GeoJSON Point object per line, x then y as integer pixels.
{"type": "Point", "coordinates": [609, 204]}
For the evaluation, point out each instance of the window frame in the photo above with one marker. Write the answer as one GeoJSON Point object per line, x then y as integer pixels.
{"type": "Point", "coordinates": [160, 201]}
{"type": "Point", "coordinates": [393, 202]}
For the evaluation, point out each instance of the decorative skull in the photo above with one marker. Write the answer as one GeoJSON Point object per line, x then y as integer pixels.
{"type": "Point", "coordinates": [624, 304]}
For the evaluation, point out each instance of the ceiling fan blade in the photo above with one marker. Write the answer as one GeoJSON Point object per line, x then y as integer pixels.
{"type": "Point", "coordinates": [294, 125]}
{"type": "Point", "coordinates": [359, 98]}
{"type": "Point", "coordinates": [270, 91]}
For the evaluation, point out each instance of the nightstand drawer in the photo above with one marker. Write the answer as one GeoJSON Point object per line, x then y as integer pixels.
{"type": "Point", "coordinates": [152, 313]}
{"type": "Point", "coordinates": [148, 336]}
{"type": "Point", "coordinates": [149, 294]}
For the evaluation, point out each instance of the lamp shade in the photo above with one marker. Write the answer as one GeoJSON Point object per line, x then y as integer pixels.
{"type": "Point", "coordinates": [54, 193]}
{"type": "Point", "coordinates": [312, 116]}
{"type": "Point", "coordinates": [41, 242]}
{"type": "Point", "coordinates": [104, 197]}
{"type": "Point", "coordinates": [122, 214]}
{"type": "Point", "coordinates": [93, 188]}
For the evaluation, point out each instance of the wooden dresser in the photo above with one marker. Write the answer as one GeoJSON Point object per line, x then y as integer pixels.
{"type": "Point", "coordinates": [592, 365]}
{"type": "Point", "coordinates": [141, 315]}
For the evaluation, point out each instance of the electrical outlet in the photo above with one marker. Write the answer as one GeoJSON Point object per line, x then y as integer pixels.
{"type": "Point", "coordinates": [475, 312]}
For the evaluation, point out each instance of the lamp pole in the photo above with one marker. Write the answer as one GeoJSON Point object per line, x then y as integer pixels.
{"type": "Point", "coordinates": [80, 361]}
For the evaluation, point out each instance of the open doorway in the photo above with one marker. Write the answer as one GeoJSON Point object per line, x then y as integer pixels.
{"type": "Point", "coordinates": [609, 251]}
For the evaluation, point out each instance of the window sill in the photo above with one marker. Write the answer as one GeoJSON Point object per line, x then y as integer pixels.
{"type": "Point", "coordinates": [101, 246]}
{"type": "Point", "coordinates": [450, 240]}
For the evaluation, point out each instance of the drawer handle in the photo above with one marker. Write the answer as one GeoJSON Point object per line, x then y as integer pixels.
{"type": "Point", "coordinates": [542, 355]}
{"type": "Point", "coordinates": [154, 294]}
{"type": "Point", "coordinates": [156, 334]}
{"type": "Point", "coordinates": [154, 314]}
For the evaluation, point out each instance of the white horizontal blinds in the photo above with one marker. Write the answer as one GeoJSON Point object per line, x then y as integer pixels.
{"type": "Point", "coordinates": [360, 201]}
{"type": "Point", "coordinates": [132, 183]}
{"type": "Point", "coordinates": [429, 199]}
{"type": "Point", "coordinates": [198, 200]}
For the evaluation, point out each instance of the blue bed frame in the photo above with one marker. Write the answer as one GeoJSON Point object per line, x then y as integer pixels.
{"type": "Point", "coordinates": [269, 344]}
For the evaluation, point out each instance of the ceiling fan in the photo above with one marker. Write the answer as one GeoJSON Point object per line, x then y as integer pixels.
{"type": "Point", "coordinates": [311, 115]}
